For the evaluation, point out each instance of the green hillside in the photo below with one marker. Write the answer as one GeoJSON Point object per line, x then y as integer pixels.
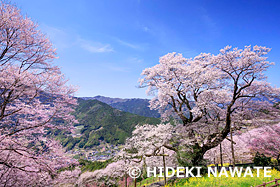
{"type": "Point", "coordinates": [100, 122]}
{"type": "Point", "coordinates": [135, 106]}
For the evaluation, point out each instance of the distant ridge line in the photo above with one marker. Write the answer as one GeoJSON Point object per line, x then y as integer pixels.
{"type": "Point", "coordinates": [133, 105]}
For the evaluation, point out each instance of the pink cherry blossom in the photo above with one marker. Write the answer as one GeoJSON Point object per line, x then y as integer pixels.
{"type": "Point", "coordinates": [34, 98]}
{"type": "Point", "coordinates": [210, 94]}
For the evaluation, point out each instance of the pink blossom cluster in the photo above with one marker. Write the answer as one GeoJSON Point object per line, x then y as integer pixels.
{"type": "Point", "coordinates": [34, 98]}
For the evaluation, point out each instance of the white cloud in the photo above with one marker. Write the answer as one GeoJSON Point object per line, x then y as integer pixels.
{"type": "Point", "coordinates": [62, 39]}
{"type": "Point", "coordinates": [146, 29]}
{"type": "Point", "coordinates": [112, 67]}
{"type": "Point", "coordinates": [209, 23]}
{"type": "Point", "coordinates": [134, 60]}
{"type": "Point", "coordinates": [59, 37]}
{"type": "Point", "coordinates": [96, 47]}
{"type": "Point", "coordinates": [127, 44]}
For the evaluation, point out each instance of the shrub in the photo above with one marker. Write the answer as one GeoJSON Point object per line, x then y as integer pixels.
{"type": "Point", "coordinates": [262, 160]}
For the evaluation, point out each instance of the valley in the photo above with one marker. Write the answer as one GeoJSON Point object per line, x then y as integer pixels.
{"type": "Point", "coordinates": [102, 129]}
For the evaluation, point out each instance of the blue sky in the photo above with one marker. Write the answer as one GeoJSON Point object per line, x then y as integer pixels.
{"type": "Point", "coordinates": [103, 45]}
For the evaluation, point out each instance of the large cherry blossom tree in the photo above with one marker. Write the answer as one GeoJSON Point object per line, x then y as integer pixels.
{"type": "Point", "coordinates": [210, 94]}
{"type": "Point", "coordinates": [33, 98]}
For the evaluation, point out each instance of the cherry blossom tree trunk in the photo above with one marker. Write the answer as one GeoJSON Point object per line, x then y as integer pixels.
{"type": "Point", "coordinates": [232, 148]}
{"type": "Point", "coordinates": [164, 167]}
{"type": "Point", "coordinates": [125, 176]}
{"type": "Point", "coordinates": [221, 154]}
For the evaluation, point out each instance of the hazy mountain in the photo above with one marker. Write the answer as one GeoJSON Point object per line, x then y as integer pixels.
{"type": "Point", "coordinates": [107, 100]}
{"type": "Point", "coordinates": [135, 106]}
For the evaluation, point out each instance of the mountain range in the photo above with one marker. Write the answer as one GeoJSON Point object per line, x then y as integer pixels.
{"type": "Point", "coordinates": [135, 106]}
{"type": "Point", "coordinates": [105, 119]}
{"type": "Point", "coordinates": [99, 122]}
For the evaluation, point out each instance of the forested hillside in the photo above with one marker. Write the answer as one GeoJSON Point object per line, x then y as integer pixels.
{"type": "Point", "coordinates": [135, 106]}
{"type": "Point", "coordinates": [99, 121]}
